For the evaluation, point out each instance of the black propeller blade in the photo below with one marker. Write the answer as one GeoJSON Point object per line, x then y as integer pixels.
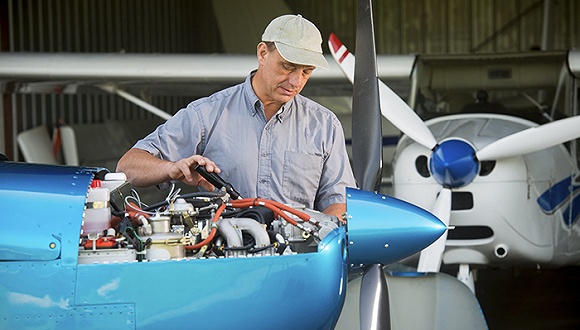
{"type": "Point", "coordinates": [367, 158]}
{"type": "Point", "coordinates": [366, 115]}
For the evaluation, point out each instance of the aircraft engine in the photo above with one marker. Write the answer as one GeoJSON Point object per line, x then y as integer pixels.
{"type": "Point", "coordinates": [195, 225]}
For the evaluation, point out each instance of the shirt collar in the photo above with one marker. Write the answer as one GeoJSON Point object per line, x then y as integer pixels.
{"type": "Point", "coordinates": [252, 100]}
{"type": "Point", "coordinates": [284, 111]}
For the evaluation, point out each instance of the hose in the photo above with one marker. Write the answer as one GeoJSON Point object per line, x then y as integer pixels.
{"type": "Point", "coordinates": [212, 232]}
{"type": "Point", "coordinates": [278, 209]}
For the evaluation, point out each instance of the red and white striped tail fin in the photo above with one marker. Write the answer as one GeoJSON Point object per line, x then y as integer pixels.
{"type": "Point", "coordinates": [343, 57]}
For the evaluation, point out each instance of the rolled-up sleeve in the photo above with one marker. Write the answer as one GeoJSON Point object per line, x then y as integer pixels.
{"type": "Point", "coordinates": [336, 171]}
{"type": "Point", "coordinates": [179, 137]}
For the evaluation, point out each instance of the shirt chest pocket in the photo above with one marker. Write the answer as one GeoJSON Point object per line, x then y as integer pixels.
{"type": "Point", "coordinates": [301, 176]}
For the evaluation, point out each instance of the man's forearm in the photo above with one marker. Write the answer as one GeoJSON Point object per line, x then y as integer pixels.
{"type": "Point", "coordinates": [142, 168]}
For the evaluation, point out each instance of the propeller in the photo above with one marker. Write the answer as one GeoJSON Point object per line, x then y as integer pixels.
{"type": "Point", "coordinates": [431, 257]}
{"type": "Point", "coordinates": [374, 309]}
{"type": "Point", "coordinates": [532, 139]}
{"type": "Point", "coordinates": [392, 106]}
{"type": "Point", "coordinates": [366, 120]}
{"type": "Point", "coordinates": [367, 158]}
{"type": "Point", "coordinates": [455, 162]}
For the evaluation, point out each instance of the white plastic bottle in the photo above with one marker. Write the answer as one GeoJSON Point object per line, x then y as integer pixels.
{"type": "Point", "coordinates": [97, 209]}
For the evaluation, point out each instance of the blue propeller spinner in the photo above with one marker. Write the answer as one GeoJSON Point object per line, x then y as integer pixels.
{"type": "Point", "coordinates": [453, 163]}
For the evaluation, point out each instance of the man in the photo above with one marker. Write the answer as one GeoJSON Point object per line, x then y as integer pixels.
{"type": "Point", "coordinates": [264, 138]}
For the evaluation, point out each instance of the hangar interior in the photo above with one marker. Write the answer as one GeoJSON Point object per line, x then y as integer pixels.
{"type": "Point", "coordinates": [418, 27]}
{"type": "Point", "coordinates": [454, 42]}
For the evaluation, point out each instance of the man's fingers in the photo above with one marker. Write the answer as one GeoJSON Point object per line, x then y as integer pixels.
{"type": "Point", "coordinates": [184, 171]}
{"type": "Point", "coordinates": [210, 166]}
{"type": "Point", "coordinates": [184, 167]}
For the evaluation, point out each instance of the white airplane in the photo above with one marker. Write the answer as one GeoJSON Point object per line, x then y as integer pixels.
{"type": "Point", "coordinates": [508, 186]}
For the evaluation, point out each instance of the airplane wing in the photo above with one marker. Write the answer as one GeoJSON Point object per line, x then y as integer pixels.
{"type": "Point", "coordinates": [192, 75]}
{"type": "Point", "coordinates": [161, 68]}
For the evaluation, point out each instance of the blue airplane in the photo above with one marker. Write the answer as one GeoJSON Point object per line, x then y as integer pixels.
{"type": "Point", "coordinates": [47, 279]}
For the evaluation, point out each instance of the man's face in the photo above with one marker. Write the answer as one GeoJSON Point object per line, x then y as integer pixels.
{"type": "Point", "coordinates": [282, 80]}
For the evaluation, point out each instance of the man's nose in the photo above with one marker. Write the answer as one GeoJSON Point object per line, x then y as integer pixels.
{"type": "Point", "coordinates": [295, 78]}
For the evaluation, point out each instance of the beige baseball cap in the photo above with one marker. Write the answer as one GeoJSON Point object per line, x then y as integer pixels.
{"type": "Point", "coordinates": [297, 40]}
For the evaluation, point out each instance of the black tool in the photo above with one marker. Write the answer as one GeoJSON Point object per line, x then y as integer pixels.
{"type": "Point", "coordinates": [217, 181]}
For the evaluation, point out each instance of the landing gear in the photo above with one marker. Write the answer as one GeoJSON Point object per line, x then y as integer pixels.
{"type": "Point", "coordinates": [465, 275]}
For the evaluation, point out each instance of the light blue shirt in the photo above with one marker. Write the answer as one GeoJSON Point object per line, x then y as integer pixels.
{"type": "Point", "coordinates": [297, 157]}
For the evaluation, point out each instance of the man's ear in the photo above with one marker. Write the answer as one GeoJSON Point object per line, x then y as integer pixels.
{"type": "Point", "coordinates": [262, 51]}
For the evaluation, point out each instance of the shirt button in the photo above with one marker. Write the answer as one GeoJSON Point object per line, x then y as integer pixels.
{"type": "Point", "coordinates": [263, 181]}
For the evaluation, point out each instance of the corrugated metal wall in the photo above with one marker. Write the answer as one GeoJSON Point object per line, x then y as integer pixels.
{"type": "Point", "coordinates": [184, 26]}
{"type": "Point", "coordinates": [174, 26]}
{"type": "Point", "coordinates": [449, 26]}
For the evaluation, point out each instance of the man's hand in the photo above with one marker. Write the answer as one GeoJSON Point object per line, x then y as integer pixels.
{"type": "Point", "coordinates": [144, 170]}
{"type": "Point", "coordinates": [183, 170]}
{"type": "Point", "coordinates": [335, 209]}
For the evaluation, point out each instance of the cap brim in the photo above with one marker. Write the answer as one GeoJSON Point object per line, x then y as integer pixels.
{"type": "Point", "coordinates": [302, 56]}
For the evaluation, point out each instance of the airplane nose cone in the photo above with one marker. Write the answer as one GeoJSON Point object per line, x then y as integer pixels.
{"type": "Point", "coordinates": [453, 163]}
{"type": "Point", "coordinates": [383, 229]}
